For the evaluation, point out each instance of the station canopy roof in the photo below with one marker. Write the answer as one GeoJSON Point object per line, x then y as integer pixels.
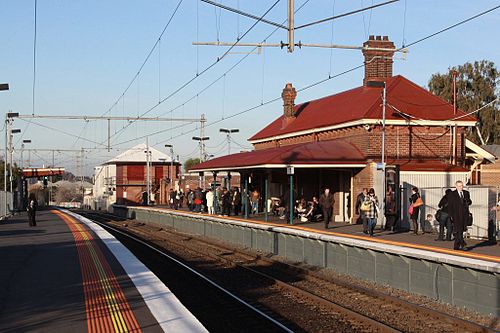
{"type": "Point", "coordinates": [323, 154]}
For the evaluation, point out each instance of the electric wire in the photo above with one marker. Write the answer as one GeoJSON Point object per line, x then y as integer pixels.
{"type": "Point", "coordinates": [206, 69]}
{"type": "Point", "coordinates": [147, 58]}
{"type": "Point", "coordinates": [60, 131]}
{"type": "Point", "coordinates": [342, 73]}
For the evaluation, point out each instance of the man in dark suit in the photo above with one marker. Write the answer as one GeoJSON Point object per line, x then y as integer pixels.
{"type": "Point", "coordinates": [458, 208]}
{"type": "Point", "coordinates": [326, 202]}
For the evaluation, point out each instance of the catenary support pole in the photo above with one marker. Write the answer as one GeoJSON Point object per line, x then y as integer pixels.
{"type": "Point", "coordinates": [266, 194]}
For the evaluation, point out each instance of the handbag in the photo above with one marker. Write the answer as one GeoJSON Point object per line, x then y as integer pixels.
{"type": "Point", "coordinates": [419, 202]}
{"type": "Point", "coordinates": [470, 220]}
{"type": "Point", "coordinates": [365, 206]}
{"type": "Point", "coordinates": [410, 210]}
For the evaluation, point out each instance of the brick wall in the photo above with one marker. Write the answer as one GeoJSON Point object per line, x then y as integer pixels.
{"type": "Point", "coordinates": [403, 142]}
{"type": "Point", "coordinates": [490, 174]}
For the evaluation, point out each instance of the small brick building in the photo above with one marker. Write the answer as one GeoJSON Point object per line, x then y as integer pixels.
{"type": "Point", "coordinates": [123, 179]}
{"type": "Point", "coordinates": [336, 141]}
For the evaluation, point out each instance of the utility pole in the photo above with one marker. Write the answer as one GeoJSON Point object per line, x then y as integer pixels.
{"type": "Point", "coordinates": [171, 164]}
{"type": "Point", "coordinates": [148, 182]}
{"type": "Point", "coordinates": [290, 28]}
{"type": "Point", "coordinates": [382, 84]}
{"type": "Point", "coordinates": [228, 132]}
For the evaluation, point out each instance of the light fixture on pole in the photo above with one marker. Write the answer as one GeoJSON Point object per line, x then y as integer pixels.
{"type": "Point", "coordinates": [8, 135]}
{"type": "Point", "coordinates": [228, 132]}
{"type": "Point", "coordinates": [11, 151]}
{"type": "Point", "coordinates": [382, 84]}
{"type": "Point", "coordinates": [201, 140]}
{"type": "Point", "coordinates": [22, 149]}
{"type": "Point", "coordinates": [171, 163]}
{"type": "Point", "coordinates": [4, 86]}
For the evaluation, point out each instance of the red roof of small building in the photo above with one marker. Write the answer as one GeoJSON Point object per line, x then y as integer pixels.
{"type": "Point", "coordinates": [332, 152]}
{"type": "Point", "coordinates": [365, 103]}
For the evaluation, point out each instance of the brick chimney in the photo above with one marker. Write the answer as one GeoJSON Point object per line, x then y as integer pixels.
{"type": "Point", "coordinates": [378, 63]}
{"type": "Point", "coordinates": [289, 93]}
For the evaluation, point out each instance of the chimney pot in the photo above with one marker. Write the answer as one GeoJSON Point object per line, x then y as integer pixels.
{"type": "Point", "coordinates": [378, 63]}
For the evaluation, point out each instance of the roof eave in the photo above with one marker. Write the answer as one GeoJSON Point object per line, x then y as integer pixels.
{"type": "Point", "coordinates": [403, 122]}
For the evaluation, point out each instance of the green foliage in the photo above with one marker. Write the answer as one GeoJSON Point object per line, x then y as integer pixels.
{"type": "Point", "coordinates": [190, 163]}
{"type": "Point", "coordinates": [476, 87]}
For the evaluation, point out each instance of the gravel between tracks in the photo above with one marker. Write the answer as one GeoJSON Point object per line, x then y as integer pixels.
{"type": "Point", "coordinates": [310, 317]}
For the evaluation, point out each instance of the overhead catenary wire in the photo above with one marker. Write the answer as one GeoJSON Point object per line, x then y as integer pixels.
{"type": "Point", "coordinates": [196, 95]}
{"type": "Point", "coordinates": [145, 60]}
{"type": "Point", "coordinates": [206, 69]}
{"type": "Point", "coordinates": [341, 73]}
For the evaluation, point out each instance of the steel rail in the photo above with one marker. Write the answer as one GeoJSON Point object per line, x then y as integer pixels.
{"type": "Point", "coordinates": [192, 270]}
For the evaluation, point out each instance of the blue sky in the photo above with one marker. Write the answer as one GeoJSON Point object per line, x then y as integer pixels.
{"type": "Point", "coordinates": [89, 51]}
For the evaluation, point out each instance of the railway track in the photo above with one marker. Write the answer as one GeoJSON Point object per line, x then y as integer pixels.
{"type": "Point", "coordinates": [364, 309]}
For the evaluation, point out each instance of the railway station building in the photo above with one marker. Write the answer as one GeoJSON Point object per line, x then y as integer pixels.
{"type": "Point", "coordinates": [123, 179]}
{"type": "Point", "coordinates": [336, 141]}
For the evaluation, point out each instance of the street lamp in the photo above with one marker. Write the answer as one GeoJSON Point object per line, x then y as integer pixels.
{"type": "Point", "coordinates": [22, 149]}
{"type": "Point", "coordinates": [171, 163]}
{"type": "Point", "coordinates": [228, 132]}
{"type": "Point", "coordinates": [382, 84]}
{"type": "Point", "coordinates": [4, 86]}
{"type": "Point", "coordinates": [201, 139]}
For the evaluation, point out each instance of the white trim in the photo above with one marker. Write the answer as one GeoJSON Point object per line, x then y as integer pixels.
{"type": "Point", "coordinates": [433, 172]}
{"type": "Point", "coordinates": [169, 312]}
{"type": "Point", "coordinates": [284, 166]}
{"type": "Point", "coordinates": [480, 151]}
{"type": "Point", "coordinates": [361, 122]}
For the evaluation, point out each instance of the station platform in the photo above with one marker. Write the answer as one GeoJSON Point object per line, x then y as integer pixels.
{"type": "Point", "coordinates": [70, 275]}
{"type": "Point", "coordinates": [475, 249]}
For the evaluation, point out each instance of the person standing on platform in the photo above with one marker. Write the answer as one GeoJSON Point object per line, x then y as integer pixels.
{"type": "Point", "coordinates": [326, 202]}
{"type": "Point", "coordinates": [226, 202]}
{"type": "Point", "coordinates": [443, 217]}
{"type": "Point", "coordinates": [361, 216]}
{"type": "Point", "coordinates": [198, 200]}
{"type": "Point", "coordinates": [254, 201]}
{"type": "Point", "coordinates": [32, 206]}
{"type": "Point", "coordinates": [458, 208]}
{"type": "Point", "coordinates": [390, 210]}
{"type": "Point", "coordinates": [210, 202]}
{"type": "Point", "coordinates": [237, 201]}
{"type": "Point", "coordinates": [415, 203]}
{"type": "Point", "coordinates": [370, 209]}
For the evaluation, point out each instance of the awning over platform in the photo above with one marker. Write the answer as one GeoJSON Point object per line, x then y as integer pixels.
{"type": "Point", "coordinates": [323, 154]}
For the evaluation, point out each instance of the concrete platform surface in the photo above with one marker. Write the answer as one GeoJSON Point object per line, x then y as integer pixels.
{"type": "Point", "coordinates": [476, 249]}
{"type": "Point", "coordinates": [67, 274]}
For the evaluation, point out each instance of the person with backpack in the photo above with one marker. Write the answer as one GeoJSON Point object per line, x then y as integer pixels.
{"type": "Point", "coordinates": [32, 205]}
{"type": "Point", "coordinates": [443, 217]}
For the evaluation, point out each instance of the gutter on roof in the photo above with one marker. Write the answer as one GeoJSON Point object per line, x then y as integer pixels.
{"type": "Point", "coordinates": [361, 122]}
{"type": "Point", "coordinates": [282, 166]}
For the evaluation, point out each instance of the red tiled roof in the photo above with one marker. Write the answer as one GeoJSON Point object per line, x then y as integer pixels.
{"type": "Point", "coordinates": [365, 103]}
{"type": "Point", "coordinates": [312, 153]}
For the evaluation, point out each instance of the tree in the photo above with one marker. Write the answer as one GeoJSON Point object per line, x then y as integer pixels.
{"type": "Point", "coordinates": [191, 162]}
{"type": "Point", "coordinates": [476, 87]}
